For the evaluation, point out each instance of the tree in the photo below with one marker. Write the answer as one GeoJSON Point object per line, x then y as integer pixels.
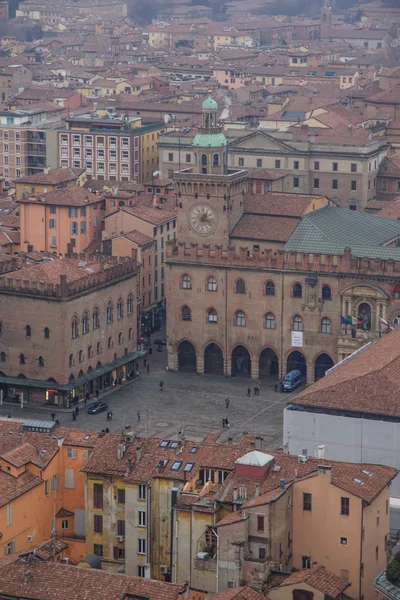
{"type": "Point", "coordinates": [393, 570]}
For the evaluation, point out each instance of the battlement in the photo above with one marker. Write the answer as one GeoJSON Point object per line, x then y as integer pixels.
{"type": "Point", "coordinates": [111, 270]}
{"type": "Point", "coordinates": [266, 258]}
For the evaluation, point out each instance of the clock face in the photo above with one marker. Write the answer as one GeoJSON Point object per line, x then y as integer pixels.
{"type": "Point", "coordinates": [202, 219]}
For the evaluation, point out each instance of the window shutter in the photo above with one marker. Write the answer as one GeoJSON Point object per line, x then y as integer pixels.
{"type": "Point", "coordinates": [116, 553]}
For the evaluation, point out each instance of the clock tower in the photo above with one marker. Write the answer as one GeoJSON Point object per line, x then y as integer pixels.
{"type": "Point", "coordinates": [210, 195]}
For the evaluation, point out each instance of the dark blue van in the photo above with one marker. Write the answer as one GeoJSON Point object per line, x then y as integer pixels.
{"type": "Point", "coordinates": [291, 381]}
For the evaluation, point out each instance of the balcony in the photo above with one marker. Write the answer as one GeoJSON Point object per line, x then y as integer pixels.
{"type": "Point", "coordinates": [351, 338]}
{"type": "Point", "coordinates": [36, 139]}
{"type": "Point", "coordinates": [37, 152]}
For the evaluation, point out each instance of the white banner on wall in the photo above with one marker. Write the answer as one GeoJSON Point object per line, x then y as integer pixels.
{"type": "Point", "coordinates": [297, 339]}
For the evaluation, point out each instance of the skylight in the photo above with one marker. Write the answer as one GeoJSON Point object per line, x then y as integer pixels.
{"type": "Point", "coordinates": [366, 473]}
{"type": "Point", "coordinates": [176, 465]}
{"type": "Point", "coordinates": [193, 450]}
{"type": "Point", "coordinates": [164, 444]}
{"type": "Point", "coordinates": [356, 480]}
{"type": "Point", "coordinates": [188, 467]}
{"type": "Point", "coordinates": [174, 444]}
{"type": "Point", "coordinates": [87, 437]}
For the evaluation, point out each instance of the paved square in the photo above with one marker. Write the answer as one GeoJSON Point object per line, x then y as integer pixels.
{"type": "Point", "coordinates": [189, 402]}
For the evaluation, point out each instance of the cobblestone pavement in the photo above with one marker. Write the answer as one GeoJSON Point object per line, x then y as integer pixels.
{"type": "Point", "coordinates": [194, 403]}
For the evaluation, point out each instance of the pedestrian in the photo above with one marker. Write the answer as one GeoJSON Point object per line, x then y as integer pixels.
{"type": "Point", "coordinates": [74, 416]}
{"type": "Point", "coordinates": [248, 392]}
{"type": "Point", "coordinates": [9, 416]}
{"type": "Point", "coordinates": [227, 403]}
{"type": "Point", "coordinates": [161, 385]}
{"type": "Point", "coordinates": [97, 394]}
{"type": "Point", "coordinates": [138, 415]}
{"type": "Point", "coordinates": [227, 422]}
{"type": "Point", "coordinates": [145, 362]}
{"type": "Point", "coordinates": [110, 413]}
{"type": "Point", "coordinates": [86, 398]}
{"type": "Point", "coordinates": [53, 415]}
{"type": "Point", "coordinates": [255, 390]}
{"type": "Point", "coordinates": [223, 422]}
{"type": "Point", "coordinates": [150, 350]}
{"type": "Point", "coordinates": [276, 387]}
{"type": "Point", "coordinates": [148, 368]}
{"type": "Point", "coordinates": [258, 388]}
{"type": "Point", "coordinates": [57, 423]}
{"type": "Point", "coordinates": [107, 430]}
{"type": "Point", "coordinates": [137, 371]}
{"type": "Point", "coordinates": [77, 409]}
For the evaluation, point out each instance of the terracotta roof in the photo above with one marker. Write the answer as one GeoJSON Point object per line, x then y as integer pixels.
{"type": "Point", "coordinates": [367, 382]}
{"type": "Point", "coordinates": [390, 166]}
{"type": "Point", "coordinates": [277, 204]}
{"type": "Point", "coordinates": [139, 238]}
{"type": "Point", "coordinates": [265, 174]}
{"type": "Point", "coordinates": [151, 214]}
{"type": "Point", "coordinates": [48, 549]}
{"type": "Point", "coordinates": [233, 517]}
{"type": "Point", "coordinates": [21, 455]}
{"type": "Point", "coordinates": [260, 227]}
{"type": "Point", "coordinates": [63, 513]}
{"type": "Point", "coordinates": [53, 177]}
{"type": "Point", "coordinates": [72, 195]}
{"type": "Point", "coordinates": [242, 593]}
{"type": "Point", "coordinates": [49, 580]}
{"type": "Point", "coordinates": [390, 210]}
{"type": "Point", "coordinates": [50, 271]}
{"type": "Point", "coordinates": [13, 487]}
{"type": "Point", "coordinates": [321, 579]}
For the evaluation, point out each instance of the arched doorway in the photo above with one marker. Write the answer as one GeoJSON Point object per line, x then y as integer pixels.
{"type": "Point", "coordinates": [186, 356]}
{"type": "Point", "coordinates": [268, 364]}
{"type": "Point", "coordinates": [296, 360]}
{"type": "Point", "coordinates": [323, 362]}
{"type": "Point", "coordinates": [213, 359]}
{"type": "Point", "coordinates": [240, 361]}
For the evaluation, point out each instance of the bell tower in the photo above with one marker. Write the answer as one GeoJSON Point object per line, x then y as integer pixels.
{"type": "Point", "coordinates": [326, 20]}
{"type": "Point", "coordinates": [210, 195]}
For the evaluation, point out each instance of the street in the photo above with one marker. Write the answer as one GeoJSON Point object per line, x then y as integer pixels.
{"type": "Point", "coordinates": [189, 402]}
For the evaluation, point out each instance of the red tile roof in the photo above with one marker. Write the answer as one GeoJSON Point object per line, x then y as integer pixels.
{"type": "Point", "coordinates": [242, 593]}
{"type": "Point", "coordinates": [53, 177]}
{"type": "Point", "coordinates": [367, 382]}
{"type": "Point", "coordinates": [261, 227]}
{"type": "Point", "coordinates": [321, 579]}
{"type": "Point", "coordinates": [72, 195]}
{"type": "Point", "coordinates": [49, 580]}
{"type": "Point", "coordinates": [13, 487]}
{"type": "Point", "coordinates": [277, 204]}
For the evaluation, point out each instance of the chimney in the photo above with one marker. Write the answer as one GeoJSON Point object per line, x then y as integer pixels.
{"type": "Point", "coordinates": [121, 451]}
{"type": "Point", "coordinates": [257, 492]}
{"type": "Point", "coordinates": [235, 494]}
{"type": "Point", "coordinates": [321, 451]}
{"type": "Point", "coordinates": [128, 467]}
{"type": "Point", "coordinates": [230, 440]}
{"type": "Point", "coordinates": [138, 453]}
{"type": "Point", "coordinates": [325, 471]}
{"type": "Point", "coordinates": [259, 442]}
{"type": "Point", "coordinates": [282, 483]}
{"type": "Point", "coordinates": [46, 170]}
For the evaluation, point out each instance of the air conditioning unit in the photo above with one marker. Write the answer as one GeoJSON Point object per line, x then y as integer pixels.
{"type": "Point", "coordinates": [163, 569]}
{"type": "Point", "coordinates": [120, 538]}
{"type": "Point", "coordinates": [302, 458]}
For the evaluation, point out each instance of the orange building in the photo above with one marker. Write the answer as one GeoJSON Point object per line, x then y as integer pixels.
{"type": "Point", "coordinates": [67, 216]}
{"type": "Point", "coordinates": [41, 485]}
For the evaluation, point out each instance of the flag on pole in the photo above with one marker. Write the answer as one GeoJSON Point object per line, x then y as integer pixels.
{"type": "Point", "coordinates": [343, 321]}
{"type": "Point", "coordinates": [353, 320]}
{"type": "Point", "coordinates": [385, 326]}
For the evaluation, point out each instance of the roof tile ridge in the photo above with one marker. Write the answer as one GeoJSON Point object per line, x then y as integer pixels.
{"type": "Point", "coordinates": [307, 218]}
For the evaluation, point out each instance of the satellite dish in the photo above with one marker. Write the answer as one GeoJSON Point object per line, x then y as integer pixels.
{"type": "Point", "coordinates": [167, 119]}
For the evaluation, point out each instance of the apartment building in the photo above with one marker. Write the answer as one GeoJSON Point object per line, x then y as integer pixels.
{"type": "Point", "coordinates": [23, 137]}
{"type": "Point", "coordinates": [109, 148]}
{"type": "Point", "coordinates": [13, 79]}
{"type": "Point", "coordinates": [47, 181]}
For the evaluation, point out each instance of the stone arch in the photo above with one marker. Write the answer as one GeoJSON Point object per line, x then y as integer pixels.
{"type": "Point", "coordinates": [213, 359]}
{"type": "Point", "coordinates": [240, 361]}
{"type": "Point", "coordinates": [186, 356]}
{"type": "Point", "coordinates": [268, 363]}
{"type": "Point", "coordinates": [322, 363]}
{"type": "Point", "coordinates": [297, 360]}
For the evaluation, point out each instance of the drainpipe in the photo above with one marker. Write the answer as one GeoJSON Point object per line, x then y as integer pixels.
{"type": "Point", "coordinates": [280, 368]}
{"type": "Point", "coordinates": [226, 325]}
{"type": "Point", "coordinates": [361, 550]}
{"type": "Point", "coordinates": [217, 574]}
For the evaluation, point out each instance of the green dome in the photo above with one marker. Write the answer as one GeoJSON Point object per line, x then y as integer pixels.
{"type": "Point", "coordinates": [209, 140]}
{"type": "Point", "coordinates": [209, 103]}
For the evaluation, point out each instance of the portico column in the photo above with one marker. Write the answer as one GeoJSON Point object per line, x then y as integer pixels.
{"type": "Point", "coordinates": [254, 368]}
{"type": "Point", "coordinates": [200, 363]}
{"type": "Point", "coordinates": [172, 360]}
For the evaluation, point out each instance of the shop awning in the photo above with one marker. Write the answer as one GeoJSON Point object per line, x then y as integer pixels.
{"type": "Point", "coordinates": [36, 383]}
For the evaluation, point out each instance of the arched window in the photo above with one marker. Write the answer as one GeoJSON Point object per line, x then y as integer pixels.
{"type": "Point", "coordinates": [74, 327]}
{"type": "Point", "coordinates": [110, 311]}
{"type": "Point", "coordinates": [71, 360]}
{"type": "Point", "coordinates": [240, 286]}
{"type": "Point", "coordinates": [41, 361]}
{"type": "Point", "coordinates": [46, 333]}
{"type": "Point", "coordinates": [215, 160]}
{"type": "Point", "coordinates": [186, 314]}
{"type": "Point", "coordinates": [186, 282]}
{"type": "Point", "coordinates": [211, 284]}
{"type": "Point", "coordinates": [204, 160]}
{"type": "Point", "coordinates": [96, 318]}
{"type": "Point", "coordinates": [326, 292]}
{"type": "Point", "coordinates": [297, 323]}
{"type": "Point", "coordinates": [90, 352]}
{"type": "Point", "coordinates": [120, 340]}
{"type": "Point", "coordinates": [98, 348]}
{"type": "Point", "coordinates": [80, 356]}
{"type": "Point", "coordinates": [270, 288]}
{"type": "Point", "coordinates": [270, 321]}
{"type": "Point", "coordinates": [212, 316]}
{"type": "Point", "coordinates": [28, 331]}
{"type": "Point", "coordinates": [21, 359]}
{"type": "Point", "coordinates": [297, 290]}
{"type": "Point", "coordinates": [130, 335]}
{"type": "Point", "coordinates": [85, 322]}
{"type": "Point", "coordinates": [120, 310]}
{"type": "Point", "coordinates": [240, 318]}
{"type": "Point", "coordinates": [3, 357]}
{"type": "Point", "coordinates": [129, 305]}
{"type": "Point", "coordinates": [325, 325]}
{"type": "Point", "coordinates": [109, 344]}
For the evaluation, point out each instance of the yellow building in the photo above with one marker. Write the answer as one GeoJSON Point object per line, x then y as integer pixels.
{"type": "Point", "coordinates": [49, 180]}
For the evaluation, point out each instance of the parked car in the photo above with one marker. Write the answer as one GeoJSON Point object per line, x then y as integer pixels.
{"type": "Point", "coordinates": [161, 342]}
{"type": "Point", "coordinates": [142, 340]}
{"type": "Point", "coordinates": [97, 407]}
{"type": "Point", "coordinates": [291, 381]}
